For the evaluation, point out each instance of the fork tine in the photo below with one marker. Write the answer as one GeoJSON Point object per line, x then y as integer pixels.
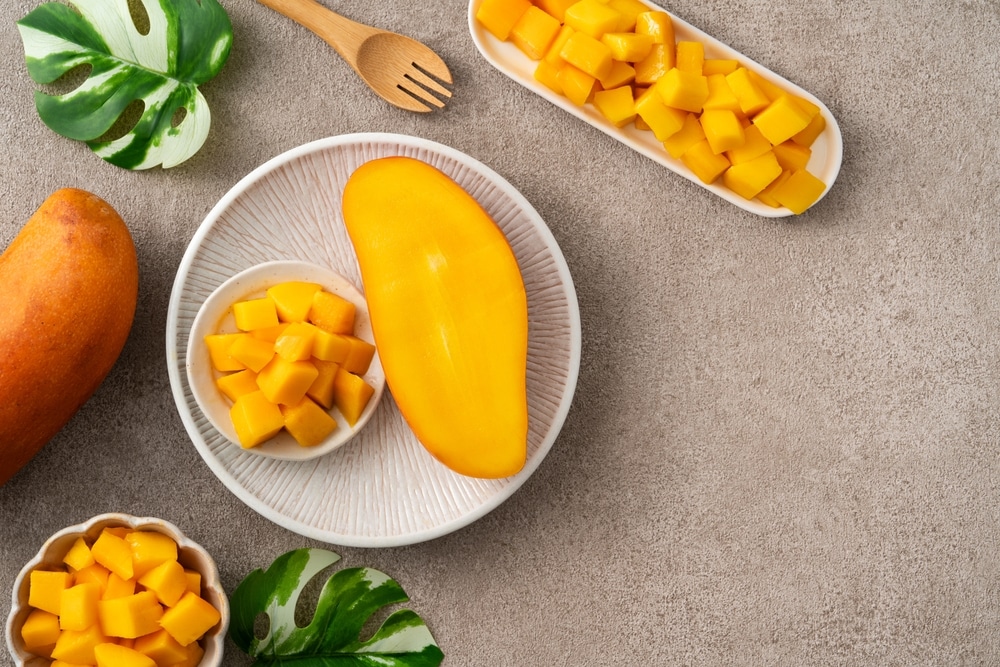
{"type": "Point", "coordinates": [431, 63]}
{"type": "Point", "coordinates": [419, 76]}
{"type": "Point", "coordinates": [421, 94]}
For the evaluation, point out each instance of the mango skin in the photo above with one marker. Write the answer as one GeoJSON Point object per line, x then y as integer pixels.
{"type": "Point", "coordinates": [70, 281]}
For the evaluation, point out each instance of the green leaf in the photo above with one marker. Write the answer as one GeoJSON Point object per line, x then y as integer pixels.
{"type": "Point", "coordinates": [188, 43]}
{"type": "Point", "coordinates": [349, 598]}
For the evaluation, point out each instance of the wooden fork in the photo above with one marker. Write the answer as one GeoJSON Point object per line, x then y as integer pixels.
{"type": "Point", "coordinates": [401, 70]}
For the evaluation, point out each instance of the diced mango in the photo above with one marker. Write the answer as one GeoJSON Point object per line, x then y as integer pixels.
{"type": "Point", "coordinates": [748, 178]}
{"type": "Point", "coordinates": [592, 17]}
{"type": "Point", "coordinates": [95, 574]}
{"type": "Point", "coordinates": [629, 11]}
{"type": "Point", "coordinates": [114, 553]}
{"type": "Point", "coordinates": [45, 589]}
{"type": "Point", "coordinates": [78, 607]}
{"type": "Point", "coordinates": [752, 98]}
{"type": "Point", "coordinates": [587, 54]}
{"type": "Point", "coordinates": [79, 556]}
{"type": "Point", "coordinates": [252, 352]}
{"type": "Point", "coordinates": [792, 155]}
{"type": "Point", "coordinates": [255, 418]}
{"type": "Point", "coordinates": [321, 390]}
{"type": "Point", "coordinates": [193, 578]}
{"type": "Point", "coordinates": [332, 313]}
{"type": "Point", "coordinates": [218, 350]}
{"type": "Point", "coordinates": [705, 163]}
{"type": "Point", "coordinates": [167, 581]}
{"type": "Point", "coordinates": [811, 132]}
{"type": "Point", "coordinates": [359, 355]}
{"type": "Point", "coordinates": [255, 314]}
{"type": "Point", "coordinates": [351, 395]}
{"type": "Point", "coordinates": [655, 65]}
{"type": "Point", "coordinates": [690, 134]}
{"type": "Point", "coordinates": [194, 655]}
{"type": "Point", "coordinates": [330, 347]}
{"type": "Point", "coordinates": [556, 8]}
{"type": "Point", "coordinates": [236, 384]}
{"type": "Point", "coordinates": [621, 74]}
{"type": "Point", "coordinates": [765, 196]}
{"type": "Point", "coordinates": [616, 105]}
{"type": "Point", "coordinates": [719, 66]}
{"type": "Point", "coordinates": [577, 85]}
{"type": "Point", "coordinates": [683, 90]}
{"type": "Point", "coordinates": [781, 120]}
{"type": "Point", "coordinates": [534, 31]}
{"type": "Point", "coordinates": [131, 616]}
{"type": "Point", "coordinates": [799, 191]}
{"type": "Point", "coordinates": [547, 74]}
{"type": "Point", "coordinates": [77, 646]}
{"type": "Point", "coordinates": [296, 342]}
{"type": "Point", "coordinates": [270, 334]}
{"type": "Point", "coordinates": [292, 299]}
{"type": "Point", "coordinates": [690, 57]}
{"type": "Point", "coordinates": [552, 56]}
{"type": "Point", "coordinates": [308, 423]}
{"type": "Point", "coordinates": [161, 648]}
{"type": "Point", "coordinates": [658, 25]}
{"type": "Point", "coordinates": [63, 663]}
{"type": "Point", "coordinates": [189, 619]}
{"type": "Point", "coordinates": [113, 655]}
{"type": "Point", "coordinates": [722, 130]}
{"type": "Point", "coordinates": [283, 381]}
{"type": "Point", "coordinates": [40, 628]}
{"type": "Point", "coordinates": [118, 587]}
{"type": "Point", "coordinates": [150, 549]}
{"type": "Point", "coordinates": [500, 16]}
{"type": "Point", "coordinates": [662, 120]}
{"type": "Point", "coordinates": [720, 95]}
{"type": "Point", "coordinates": [628, 46]}
{"type": "Point", "coordinates": [754, 145]}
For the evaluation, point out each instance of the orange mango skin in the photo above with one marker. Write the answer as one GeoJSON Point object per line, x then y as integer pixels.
{"type": "Point", "coordinates": [448, 310]}
{"type": "Point", "coordinates": [69, 286]}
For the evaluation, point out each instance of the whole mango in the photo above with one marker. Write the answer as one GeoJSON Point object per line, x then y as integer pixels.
{"type": "Point", "coordinates": [69, 281]}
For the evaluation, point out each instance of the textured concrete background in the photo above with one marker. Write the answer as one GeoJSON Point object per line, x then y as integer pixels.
{"type": "Point", "coordinates": [783, 447]}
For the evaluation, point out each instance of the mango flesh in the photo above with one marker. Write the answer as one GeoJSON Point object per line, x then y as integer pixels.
{"type": "Point", "coordinates": [449, 313]}
{"type": "Point", "coordinates": [70, 281]}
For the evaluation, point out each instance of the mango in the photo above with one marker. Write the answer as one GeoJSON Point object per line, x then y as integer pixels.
{"type": "Point", "coordinates": [448, 310]}
{"type": "Point", "coordinates": [70, 281]}
{"type": "Point", "coordinates": [189, 619]}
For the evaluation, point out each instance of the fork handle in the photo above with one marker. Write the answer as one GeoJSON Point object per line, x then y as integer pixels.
{"type": "Point", "coordinates": [343, 34]}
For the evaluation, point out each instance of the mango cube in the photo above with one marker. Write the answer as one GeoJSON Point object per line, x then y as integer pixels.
{"type": "Point", "coordinates": [552, 56]}
{"type": "Point", "coordinates": [752, 98]}
{"type": "Point", "coordinates": [534, 32]}
{"type": "Point", "coordinates": [655, 65]}
{"type": "Point", "coordinates": [167, 581]}
{"type": "Point", "coordinates": [45, 589]}
{"type": "Point", "coordinates": [719, 66]}
{"type": "Point", "coordinates": [351, 394]}
{"type": "Point", "coordinates": [629, 11]}
{"type": "Point", "coordinates": [255, 314]}
{"type": "Point", "coordinates": [118, 587]}
{"type": "Point", "coordinates": [296, 342]}
{"type": "Point", "coordinates": [150, 549]}
{"type": "Point", "coordinates": [781, 120]}
{"type": "Point", "coordinates": [194, 653]}
{"type": "Point", "coordinates": [621, 74]}
{"type": "Point", "coordinates": [193, 578]}
{"type": "Point", "coordinates": [292, 299]}
{"type": "Point", "coordinates": [577, 85]}
{"type": "Point", "coordinates": [587, 54]}
{"type": "Point", "coordinates": [131, 616]}
{"type": "Point", "coordinates": [690, 134]}
{"type": "Point", "coordinates": [331, 347]}
{"type": "Point", "coordinates": [706, 164]}
{"type": "Point", "coordinates": [95, 574]}
{"type": "Point", "coordinates": [662, 120]}
{"type": "Point", "coordinates": [270, 334]}
{"type": "Point", "coordinates": [592, 17]}
{"type": "Point", "coordinates": [283, 381]}
{"type": "Point", "coordinates": [628, 46]}
{"type": "Point", "coordinates": [161, 648]}
{"type": "Point", "coordinates": [236, 384]}
{"type": "Point", "coordinates": [749, 178]}
{"type": "Point", "coordinates": [359, 355]}
{"type": "Point", "coordinates": [308, 423]}
{"type": "Point", "coordinates": [690, 57]}
{"type": "Point", "coordinates": [218, 351]}
{"type": "Point", "coordinates": [658, 25]}
{"type": "Point", "coordinates": [79, 556]}
{"type": "Point", "coordinates": [754, 145]}
{"type": "Point", "coordinates": [189, 619]}
{"type": "Point", "coordinates": [556, 8]}
{"type": "Point", "coordinates": [722, 129]}
{"type": "Point", "coordinates": [616, 105]}
{"type": "Point", "coordinates": [40, 628]}
{"type": "Point", "coordinates": [765, 196]}
{"type": "Point", "coordinates": [114, 553]}
{"type": "Point", "coordinates": [321, 390]}
{"type": "Point", "coordinates": [113, 655]}
{"type": "Point", "coordinates": [799, 191]}
{"type": "Point", "coordinates": [500, 16]}
{"type": "Point", "coordinates": [811, 132]}
{"type": "Point", "coordinates": [720, 95]}
{"type": "Point", "coordinates": [792, 155]}
{"type": "Point", "coordinates": [252, 352]}
{"type": "Point", "coordinates": [332, 313]}
{"type": "Point", "coordinates": [78, 607]}
{"type": "Point", "coordinates": [77, 646]}
{"type": "Point", "coordinates": [255, 419]}
{"type": "Point", "coordinates": [683, 90]}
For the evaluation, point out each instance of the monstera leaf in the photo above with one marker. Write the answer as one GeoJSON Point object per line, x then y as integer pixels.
{"type": "Point", "coordinates": [186, 44]}
{"type": "Point", "coordinates": [349, 598]}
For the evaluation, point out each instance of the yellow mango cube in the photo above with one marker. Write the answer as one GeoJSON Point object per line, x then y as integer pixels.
{"type": "Point", "coordinates": [621, 74]}
{"type": "Point", "coordinates": [255, 314]}
{"type": "Point", "coordinates": [193, 578]}
{"type": "Point", "coordinates": [587, 54]}
{"type": "Point", "coordinates": [720, 95]}
{"type": "Point", "coordinates": [616, 105]}
{"type": "Point", "coordinates": [45, 589]}
{"type": "Point", "coordinates": [270, 334]}
{"type": "Point", "coordinates": [577, 85]}
{"type": "Point", "coordinates": [308, 423]}
{"type": "Point", "coordinates": [592, 17]}
{"type": "Point", "coordinates": [161, 648]}
{"type": "Point", "coordinates": [94, 574]}
{"type": "Point", "coordinates": [189, 619]}
{"type": "Point", "coordinates": [114, 553]}
{"type": "Point", "coordinates": [330, 347]}
{"type": "Point", "coordinates": [167, 581]}
{"type": "Point", "coordinates": [296, 342]}
{"type": "Point", "coordinates": [690, 57]}
{"type": "Point", "coordinates": [690, 134]}
{"type": "Point", "coordinates": [754, 145]}
{"type": "Point", "coordinates": [500, 16]}
{"type": "Point", "coordinates": [658, 25]}
{"type": "Point", "coordinates": [792, 155]}
{"type": "Point", "coordinates": [130, 616]}
{"type": "Point", "coordinates": [556, 8]}
{"type": "Point", "coordinates": [359, 355]}
{"type": "Point", "coordinates": [292, 299]}
{"type": "Point", "coordinates": [705, 163]}
{"type": "Point", "coordinates": [748, 178]}
{"type": "Point", "coordinates": [628, 46]}
{"type": "Point", "coordinates": [811, 132]}
{"type": "Point", "coordinates": [118, 587]}
{"type": "Point", "coordinates": [40, 628]}
{"type": "Point", "coordinates": [255, 418]}
{"type": "Point", "coordinates": [765, 196]}
{"type": "Point", "coordinates": [283, 381]}
{"type": "Point", "coordinates": [79, 556]}
{"type": "Point", "coordinates": [683, 90]}
{"type": "Point", "coordinates": [781, 120]}
{"type": "Point", "coordinates": [719, 66]}
{"type": "Point", "coordinates": [662, 120]}
{"type": "Point", "coordinates": [534, 31]}
{"type": "Point", "coordinates": [332, 313]}
{"type": "Point", "coordinates": [552, 56]}
{"type": "Point", "coordinates": [321, 390]}
{"type": "Point", "coordinates": [113, 655]}
{"type": "Point", "coordinates": [78, 606]}
{"type": "Point", "coordinates": [799, 191]}
{"type": "Point", "coordinates": [629, 11]}
{"type": "Point", "coordinates": [150, 549]}
{"type": "Point", "coordinates": [752, 98]}
{"type": "Point", "coordinates": [654, 66]}
{"type": "Point", "coordinates": [722, 129]}
{"type": "Point", "coordinates": [77, 646]}
{"type": "Point", "coordinates": [252, 352]}
{"type": "Point", "coordinates": [194, 653]}
{"type": "Point", "coordinates": [236, 384]}
{"type": "Point", "coordinates": [218, 351]}
{"type": "Point", "coordinates": [351, 394]}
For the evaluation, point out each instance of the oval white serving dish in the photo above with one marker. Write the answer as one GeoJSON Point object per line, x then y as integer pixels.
{"type": "Point", "coordinates": [827, 150]}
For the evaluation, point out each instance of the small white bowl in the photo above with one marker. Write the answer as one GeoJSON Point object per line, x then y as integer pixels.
{"type": "Point", "coordinates": [215, 316]}
{"type": "Point", "coordinates": [50, 556]}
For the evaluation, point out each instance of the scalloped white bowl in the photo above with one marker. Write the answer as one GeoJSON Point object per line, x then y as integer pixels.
{"type": "Point", "coordinates": [190, 554]}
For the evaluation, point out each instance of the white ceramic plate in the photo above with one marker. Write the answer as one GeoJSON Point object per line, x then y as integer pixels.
{"type": "Point", "coordinates": [384, 489]}
{"type": "Point", "coordinates": [827, 150]}
{"type": "Point", "coordinates": [216, 316]}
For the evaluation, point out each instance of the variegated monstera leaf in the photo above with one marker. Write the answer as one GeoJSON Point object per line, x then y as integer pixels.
{"type": "Point", "coordinates": [187, 43]}
{"type": "Point", "coordinates": [346, 603]}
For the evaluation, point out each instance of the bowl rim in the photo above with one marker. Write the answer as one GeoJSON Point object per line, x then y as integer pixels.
{"type": "Point", "coordinates": [215, 641]}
